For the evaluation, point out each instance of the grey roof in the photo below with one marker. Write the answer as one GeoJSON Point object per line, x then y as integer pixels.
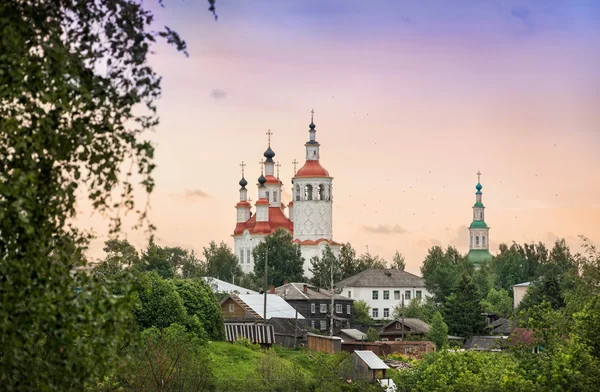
{"type": "Point", "coordinates": [414, 324]}
{"type": "Point", "coordinates": [526, 284]}
{"type": "Point", "coordinates": [220, 286]}
{"type": "Point", "coordinates": [484, 343]}
{"type": "Point", "coordinates": [371, 360]}
{"type": "Point", "coordinates": [276, 306]}
{"type": "Point", "coordinates": [502, 326]}
{"type": "Point", "coordinates": [287, 326]}
{"type": "Point", "coordinates": [355, 334]}
{"type": "Point", "coordinates": [295, 291]}
{"type": "Point", "coordinates": [382, 278]}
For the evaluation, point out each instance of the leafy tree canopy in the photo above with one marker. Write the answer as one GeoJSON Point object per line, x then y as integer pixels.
{"type": "Point", "coordinates": [361, 312]}
{"type": "Point", "coordinates": [324, 267]}
{"type": "Point", "coordinates": [199, 300]}
{"type": "Point", "coordinates": [398, 262]}
{"type": "Point", "coordinates": [442, 270]}
{"type": "Point", "coordinates": [498, 302]}
{"type": "Point", "coordinates": [463, 310]}
{"type": "Point", "coordinates": [438, 333]}
{"type": "Point", "coordinates": [220, 262]}
{"type": "Point", "coordinates": [285, 261]}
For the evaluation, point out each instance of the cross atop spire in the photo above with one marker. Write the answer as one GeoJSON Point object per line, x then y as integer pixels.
{"type": "Point", "coordinates": [312, 115]}
{"type": "Point", "coordinates": [278, 165]}
{"type": "Point", "coordinates": [295, 163]}
{"type": "Point", "coordinates": [262, 164]}
{"type": "Point", "coordinates": [242, 165]}
{"type": "Point", "coordinates": [269, 134]}
{"type": "Point", "coordinates": [478, 175]}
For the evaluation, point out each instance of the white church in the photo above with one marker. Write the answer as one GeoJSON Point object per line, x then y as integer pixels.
{"type": "Point", "coordinates": [309, 217]}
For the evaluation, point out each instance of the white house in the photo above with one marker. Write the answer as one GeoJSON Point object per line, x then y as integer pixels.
{"type": "Point", "coordinates": [519, 291]}
{"type": "Point", "coordinates": [383, 289]}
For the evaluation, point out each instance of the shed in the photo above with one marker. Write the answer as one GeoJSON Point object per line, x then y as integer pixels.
{"type": "Point", "coordinates": [262, 334]}
{"type": "Point", "coordinates": [352, 335]}
{"type": "Point", "coordinates": [368, 366]}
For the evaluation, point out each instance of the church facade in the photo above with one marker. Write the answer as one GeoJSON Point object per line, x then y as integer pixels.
{"type": "Point", "coordinates": [309, 215]}
{"type": "Point", "coordinates": [479, 232]}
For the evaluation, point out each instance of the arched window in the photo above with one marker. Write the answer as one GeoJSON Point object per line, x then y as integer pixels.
{"type": "Point", "coordinates": [321, 192]}
{"type": "Point", "coordinates": [480, 215]}
{"type": "Point", "coordinates": [275, 196]}
{"type": "Point", "coordinates": [308, 192]}
{"type": "Point", "coordinates": [483, 240]}
{"type": "Point", "coordinates": [297, 192]}
{"type": "Point", "coordinates": [477, 240]}
{"type": "Point", "coordinates": [267, 195]}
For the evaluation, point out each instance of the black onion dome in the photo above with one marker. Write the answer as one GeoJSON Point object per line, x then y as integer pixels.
{"type": "Point", "coordinates": [262, 180]}
{"type": "Point", "coordinates": [243, 182]}
{"type": "Point", "coordinates": [269, 154]}
{"type": "Point", "coordinates": [312, 125]}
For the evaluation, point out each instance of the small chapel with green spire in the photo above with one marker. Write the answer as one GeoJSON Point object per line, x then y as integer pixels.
{"type": "Point", "coordinates": [479, 251]}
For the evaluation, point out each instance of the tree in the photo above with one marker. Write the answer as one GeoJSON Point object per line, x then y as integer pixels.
{"type": "Point", "coordinates": [199, 300]}
{"type": "Point", "coordinates": [422, 309]}
{"type": "Point", "coordinates": [587, 325]}
{"type": "Point", "coordinates": [372, 335]}
{"type": "Point", "coordinates": [361, 312]}
{"type": "Point", "coordinates": [348, 262]}
{"type": "Point", "coordinates": [398, 262]}
{"type": "Point", "coordinates": [367, 261]}
{"type": "Point", "coordinates": [498, 302]}
{"type": "Point", "coordinates": [220, 262]}
{"type": "Point", "coordinates": [285, 259]}
{"type": "Point", "coordinates": [463, 310]}
{"type": "Point", "coordinates": [322, 268]}
{"type": "Point", "coordinates": [115, 270]}
{"type": "Point", "coordinates": [517, 264]}
{"type": "Point", "coordinates": [442, 270]}
{"type": "Point", "coordinates": [438, 333]}
{"type": "Point", "coordinates": [76, 95]}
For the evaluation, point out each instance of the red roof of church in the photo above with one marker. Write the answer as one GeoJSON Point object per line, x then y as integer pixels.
{"type": "Point", "coordinates": [272, 180]}
{"type": "Point", "coordinates": [311, 242]}
{"type": "Point", "coordinates": [312, 169]}
{"type": "Point", "coordinates": [277, 220]}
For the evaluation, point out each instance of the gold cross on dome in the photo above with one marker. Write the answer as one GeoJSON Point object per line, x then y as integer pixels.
{"type": "Point", "coordinates": [295, 163]}
{"type": "Point", "coordinates": [242, 165]}
{"type": "Point", "coordinates": [262, 163]}
{"type": "Point", "coordinates": [278, 165]}
{"type": "Point", "coordinates": [478, 175]}
{"type": "Point", "coordinates": [269, 134]}
{"type": "Point", "coordinates": [312, 114]}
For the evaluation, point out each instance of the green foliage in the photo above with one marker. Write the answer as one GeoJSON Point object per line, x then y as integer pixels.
{"type": "Point", "coordinates": [171, 359]}
{"type": "Point", "coordinates": [324, 267]}
{"type": "Point", "coordinates": [442, 270]}
{"type": "Point", "coordinates": [220, 262]}
{"type": "Point", "coordinates": [398, 262]}
{"type": "Point", "coordinates": [420, 308]}
{"type": "Point", "coordinates": [517, 264]}
{"type": "Point", "coordinates": [587, 325]}
{"type": "Point", "coordinates": [372, 335]}
{"type": "Point", "coordinates": [361, 312]}
{"type": "Point", "coordinates": [438, 332]}
{"type": "Point", "coordinates": [498, 302]}
{"type": "Point", "coordinates": [285, 261]}
{"type": "Point", "coordinates": [199, 301]}
{"type": "Point", "coordinates": [347, 259]}
{"type": "Point", "coordinates": [118, 269]}
{"type": "Point", "coordinates": [462, 309]}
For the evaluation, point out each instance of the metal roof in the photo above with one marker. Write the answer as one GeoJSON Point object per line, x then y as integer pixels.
{"type": "Point", "coordinates": [416, 325]}
{"type": "Point", "coordinates": [526, 284]}
{"type": "Point", "coordinates": [276, 306]}
{"type": "Point", "coordinates": [355, 334]}
{"type": "Point", "coordinates": [257, 333]}
{"type": "Point", "coordinates": [295, 291]}
{"type": "Point", "coordinates": [220, 286]}
{"type": "Point", "coordinates": [371, 360]}
{"type": "Point", "coordinates": [382, 278]}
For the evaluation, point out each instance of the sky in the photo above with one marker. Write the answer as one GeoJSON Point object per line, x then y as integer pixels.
{"type": "Point", "coordinates": [411, 100]}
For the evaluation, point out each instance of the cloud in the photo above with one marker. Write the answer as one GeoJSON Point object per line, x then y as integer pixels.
{"type": "Point", "coordinates": [191, 195]}
{"type": "Point", "coordinates": [217, 94]}
{"type": "Point", "coordinates": [385, 229]}
{"type": "Point", "coordinates": [459, 237]}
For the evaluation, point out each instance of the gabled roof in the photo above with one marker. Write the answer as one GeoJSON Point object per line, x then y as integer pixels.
{"type": "Point", "coordinates": [295, 291]}
{"type": "Point", "coordinates": [382, 278]}
{"type": "Point", "coordinates": [220, 286]}
{"type": "Point", "coordinates": [414, 324]}
{"type": "Point", "coordinates": [355, 334]}
{"type": "Point", "coordinates": [371, 360]}
{"type": "Point", "coordinates": [485, 343]}
{"type": "Point", "coordinates": [276, 306]}
{"type": "Point", "coordinates": [526, 284]}
{"type": "Point", "coordinates": [502, 326]}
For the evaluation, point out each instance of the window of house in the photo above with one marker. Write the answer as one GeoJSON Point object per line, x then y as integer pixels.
{"type": "Point", "coordinates": [323, 324]}
{"type": "Point", "coordinates": [312, 324]}
{"type": "Point", "coordinates": [247, 256]}
{"type": "Point", "coordinates": [297, 192]}
{"type": "Point", "coordinates": [312, 308]}
{"type": "Point", "coordinates": [323, 308]}
{"type": "Point", "coordinates": [398, 326]}
{"type": "Point", "coordinates": [348, 309]}
{"type": "Point", "coordinates": [386, 312]}
{"type": "Point", "coordinates": [407, 295]}
{"type": "Point", "coordinates": [308, 192]}
{"type": "Point", "coordinates": [418, 294]}
{"type": "Point", "coordinates": [338, 308]}
{"type": "Point", "coordinates": [349, 294]}
{"type": "Point", "coordinates": [375, 294]}
{"type": "Point", "coordinates": [375, 313]}
{"type": "Point", "coordinates": [384, 339]}
{"type": "Point", "coordinates": [242, 256]}
{"type": "Point", "coordinates": [476, 240]}
{"type": "Point", "coordinates": [231, 308]}
{"type": "Point", "coordinates": [396, 294]}
{"type": "Point", "coordinates": [386, 294]}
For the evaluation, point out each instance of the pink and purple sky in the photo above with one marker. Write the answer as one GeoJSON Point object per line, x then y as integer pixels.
{"type": "Point", "coordinates": [411, 99]}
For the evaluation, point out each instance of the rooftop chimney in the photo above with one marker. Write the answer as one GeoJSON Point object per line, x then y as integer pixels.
{"type": "Point", "coordinates": [272, 289]}
{"type": "Point", "coordinates": [305, 288]}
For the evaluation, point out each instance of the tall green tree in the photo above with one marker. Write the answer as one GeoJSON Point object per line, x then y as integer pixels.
{"type": "Point", "coordinates": [463, 310]}
{"type": "Point", "coordinates": [220, 262]}
{"type": "Point", "coordinates": [517, 264]}
{"type": "Point", "coordinates": [76, 95]}
{"type": "Point", "coordinates": [199, 300]}
{"type": "Point", "coordinates": [398, 262]}
{"type": "Point", "coordinates": [361, 312]}
{"type": "Point", "coordinates": [115, 270]}
{"type": "Point", "coordinates": [438, 333]}
{"type": "Point", "coordinates": [442, 270]}
{"type": "Point", "coordinates": [348, 262]}
{"type": "Point", "coordinates": [420, 308]}
{"type": "Point", "coordinates": [324, 267]}
{"type": "Point", "coordinates": [498, 302]}
{"type": "Point", "coordinates": [285, 261]}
